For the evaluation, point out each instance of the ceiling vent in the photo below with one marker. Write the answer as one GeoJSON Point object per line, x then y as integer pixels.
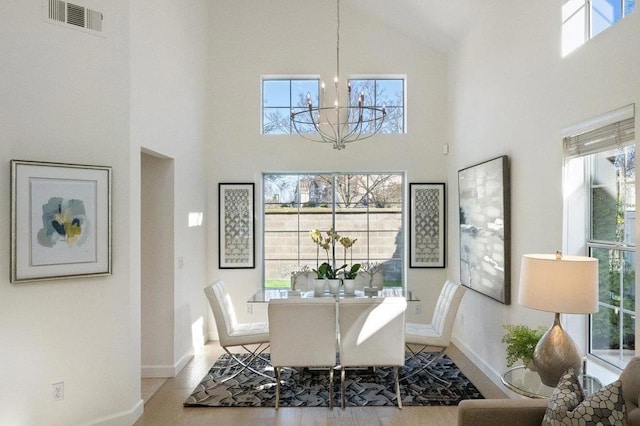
{"type": "Point", "coordinates": [74, 15]}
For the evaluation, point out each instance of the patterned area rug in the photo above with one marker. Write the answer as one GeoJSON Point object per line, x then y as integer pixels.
{"type": "Point", "coordinates": [309, 387]}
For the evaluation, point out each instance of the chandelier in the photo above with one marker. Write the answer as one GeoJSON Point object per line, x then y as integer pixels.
{"type": "Point", "coordinates": [337, 125]}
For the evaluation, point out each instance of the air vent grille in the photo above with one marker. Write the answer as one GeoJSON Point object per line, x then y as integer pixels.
{"type": "Point", "coordinates": [74, 14]}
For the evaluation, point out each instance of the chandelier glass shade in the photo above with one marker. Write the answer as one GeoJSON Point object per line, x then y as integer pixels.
{"type": "Point", "coordinates": [337, 124]}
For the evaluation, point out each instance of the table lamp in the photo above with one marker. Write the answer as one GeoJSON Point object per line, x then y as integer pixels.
{"type": "Point", "coordinates": [559, 284]}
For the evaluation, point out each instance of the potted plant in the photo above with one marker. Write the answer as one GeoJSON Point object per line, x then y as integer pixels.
{"type": "Point", "coordinates": [521, 341]}
{"type": "Point", "coordinates": [349, 274]}
{"type": "Point", "coordinates": [326, 271]}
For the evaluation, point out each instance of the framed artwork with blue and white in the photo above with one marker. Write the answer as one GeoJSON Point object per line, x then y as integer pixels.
{"type": "Point", "coordinates": [60, 221]}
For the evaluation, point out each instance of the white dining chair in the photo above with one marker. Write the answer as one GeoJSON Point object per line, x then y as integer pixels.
{"type": "Point", "coordinates": [371, 335]}
{"type": "Point", "coordinates": [436, 334]}
{"type": "Point", "coordinates": [252, 337]}
{"type": "Point", "coordinates": [303, 334]}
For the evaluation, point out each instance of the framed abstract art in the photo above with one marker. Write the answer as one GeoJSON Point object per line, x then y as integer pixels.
{"type": "Point", "coordinates": [485, 225]}
{"type": "Point", "coordinates": [60, 221]}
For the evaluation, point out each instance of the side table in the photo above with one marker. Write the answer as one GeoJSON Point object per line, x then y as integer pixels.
{"type": "Point", "coordinates": [526, 382]}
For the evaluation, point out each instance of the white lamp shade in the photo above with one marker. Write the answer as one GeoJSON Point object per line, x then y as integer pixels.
{"type": "Point", "coordinates": [568, 284]}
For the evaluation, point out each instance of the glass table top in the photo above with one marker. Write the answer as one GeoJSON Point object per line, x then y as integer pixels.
{"type": "Point", "coordinates": [526, 382]}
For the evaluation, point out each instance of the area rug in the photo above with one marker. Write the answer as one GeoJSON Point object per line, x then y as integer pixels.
{"type": "Point", "coordinates": [309, 387]}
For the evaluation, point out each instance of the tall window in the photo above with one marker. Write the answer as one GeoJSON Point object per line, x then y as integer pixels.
{"type": "Point", "coordinates": [281, 95]}
{"type": "Point", "coordinates": [606, 157]}
{"type": "Point", "coordinates": [584, 19]}
{"type": "Point", "coordinates": [366, 206]}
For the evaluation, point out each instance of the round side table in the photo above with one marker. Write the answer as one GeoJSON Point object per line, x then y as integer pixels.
{"type": "Point", "coordinates": [526, 382]}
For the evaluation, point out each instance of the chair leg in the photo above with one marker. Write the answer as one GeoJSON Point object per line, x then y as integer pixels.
{"type": "Point", "coordinates": [395, 372]}
{"type": "Point", "coordinates": [425, 367]}
{"type": "Point", "coordinates": [277, 371]}
{"type": "Point", "coordinates": [342, 386]}
{"type": "Point", "coordinates": [330, 388]}
{"type": "Point", "coordinates": [245, 365]}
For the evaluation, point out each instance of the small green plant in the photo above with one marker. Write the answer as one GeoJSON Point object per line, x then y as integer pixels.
{"type": "Point", "coordinates": [521, 341]}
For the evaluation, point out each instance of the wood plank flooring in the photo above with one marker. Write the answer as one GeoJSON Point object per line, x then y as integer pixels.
{"type": "Point", "coordinates": [165, 408]}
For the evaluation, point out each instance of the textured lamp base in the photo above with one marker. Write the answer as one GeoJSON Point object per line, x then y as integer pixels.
{"type": "Point", "coordinates": [555, 353]}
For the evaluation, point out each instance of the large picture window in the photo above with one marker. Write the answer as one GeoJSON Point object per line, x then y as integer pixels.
{"type": "Point", "coordinates": [366, 206]}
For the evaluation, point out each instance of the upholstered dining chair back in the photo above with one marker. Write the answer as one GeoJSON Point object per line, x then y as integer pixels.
{"type": "Point", "coordinates": [371, 335]}
{"type": "Point", "coordinates": [230, 332]}
{"type": "Point", "coordinates": [253, 337]}
{"type": "Point", "coordinates": [371, 331]}
{"type": "Point", "coordinates": [437, 333]}
{"type": "Point", "coordinates": [302, 333]}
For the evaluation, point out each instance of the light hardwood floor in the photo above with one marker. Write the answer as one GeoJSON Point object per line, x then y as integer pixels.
{"type": "Point", "coordinates": [165, 406]}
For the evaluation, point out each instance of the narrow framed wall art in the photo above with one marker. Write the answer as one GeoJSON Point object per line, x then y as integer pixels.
{"type": "Point", "coordinates": [427, 225]}
{"type": "Point", "coordinates": [236, 226]}
{"type": "Point", "coordinates": [60, 221]}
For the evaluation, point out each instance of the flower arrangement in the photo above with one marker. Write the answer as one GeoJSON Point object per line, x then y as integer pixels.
{"type": "Point", "coordinates": [327, 243]}
{"type": "Point", "coordinates": [347, 244]}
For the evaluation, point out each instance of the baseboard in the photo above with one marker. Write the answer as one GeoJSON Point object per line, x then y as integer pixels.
{"type": "Point", "coordinates": [127, 417]}
{"type": "Point", "coordinates": [486, 369]}
{"type": "Point", "coordinates": [150, 371]}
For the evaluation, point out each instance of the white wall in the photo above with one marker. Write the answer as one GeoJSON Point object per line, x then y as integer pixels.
{"type": "Point", "coordinates": [512, 94]}
{"type": "Point", "coordinates": [64, 97]}
{"type": "Point", "coordinates": [169, 118]}
{"type": "Point", "coordinates": [67, 96]}
{"type": "Point", "coordinates": [298, 37]}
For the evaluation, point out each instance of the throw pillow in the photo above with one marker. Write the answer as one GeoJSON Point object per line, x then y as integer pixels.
{"type": "Point", "coordinates": [565, 397]}
{"type": "Point", "coordinates": [605, 407]}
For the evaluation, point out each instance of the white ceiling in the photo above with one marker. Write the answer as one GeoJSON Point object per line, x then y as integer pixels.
{"type": "Point", "coordinates": [436, 23]}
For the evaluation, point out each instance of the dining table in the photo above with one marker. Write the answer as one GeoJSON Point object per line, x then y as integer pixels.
{"type": "Point", "coordinates": [263, 295]}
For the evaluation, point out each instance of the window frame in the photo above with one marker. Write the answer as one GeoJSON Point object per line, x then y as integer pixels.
{"type": "Point", "coordinates": [290, 79]}
{"type": "Point", "coordinates": [323, 98]}
{"type": "Point", "coordinates": [586, 8]}
{"type": "Point", "coordinates": [403, 216]}
{"type": "Point", "coordinates": [578, 235]}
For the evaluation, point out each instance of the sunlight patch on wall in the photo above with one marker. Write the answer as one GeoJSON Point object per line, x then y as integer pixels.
{"type": "Point", "coordinates": [195, 219]}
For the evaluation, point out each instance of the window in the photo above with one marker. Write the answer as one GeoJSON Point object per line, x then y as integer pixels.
{"type": "Point", "coordinates": [388, 93]}
{"type": "Point", "coordinates": [366, 206]}
{"type": "Point", "coordinates": [584, 19]}
{"type": "Point", "coordinates": [281, 95]}
{"type": "Point", "coordinates": [605, 157]}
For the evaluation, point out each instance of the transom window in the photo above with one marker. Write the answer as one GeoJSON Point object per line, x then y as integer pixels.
{"type": "Point", "coordinates": [584, 19]}
{"type": "Point", "coordinates": [281, 95]}
{"type": "Point", "coordinates": [366, 206]}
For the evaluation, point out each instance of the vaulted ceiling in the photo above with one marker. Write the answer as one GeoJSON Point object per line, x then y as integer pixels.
{"type": "Point", "coordinates": [436, 23]}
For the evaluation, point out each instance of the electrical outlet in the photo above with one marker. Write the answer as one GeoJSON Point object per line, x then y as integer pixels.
{"type": "Point", "coordinates": [58, 391]}
{"type": "Point", "coordinates": [249, 308]}
{"type": "Point", "coordinates": [418, 309]}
